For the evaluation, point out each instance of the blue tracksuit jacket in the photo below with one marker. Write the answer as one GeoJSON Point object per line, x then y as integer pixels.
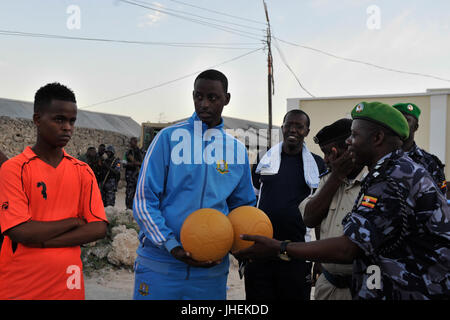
{"type": "Point", "coordinates": [188, 167]}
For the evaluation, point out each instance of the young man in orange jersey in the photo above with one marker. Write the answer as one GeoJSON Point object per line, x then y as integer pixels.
{"type": "Point", "coordinates": [50, 205]}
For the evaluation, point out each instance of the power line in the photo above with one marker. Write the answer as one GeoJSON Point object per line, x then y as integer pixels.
{"type": "Point", "coordinates": [168, 82]}
{"type": "Point", "coordinates": [235, 31]}
{"type": "Point", "coordinates": [283, 59]}
{"type": "Point", "coordinates": [218, 12]}
{"type": "Point", "coordinates": [209, 24]}
{"type": "Point", "coordinates": [363, 62]}
{"type": "Point", "coordinates": [195, 15]}
{"type": "Point", "coordinates": [234, 46]}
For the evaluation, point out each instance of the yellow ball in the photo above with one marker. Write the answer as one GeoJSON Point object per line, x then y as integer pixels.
{"type": "Point", "coordinates": [249, 220]}
{"type": "Point", "coordinates": [207, 234]}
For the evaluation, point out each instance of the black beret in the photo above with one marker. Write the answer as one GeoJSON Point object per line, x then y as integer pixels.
{"type": "Point", "coordinates": [337, 131]}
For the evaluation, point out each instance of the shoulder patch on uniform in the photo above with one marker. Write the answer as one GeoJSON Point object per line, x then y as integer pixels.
{"type": "Point", "coordinates": [369, 201]}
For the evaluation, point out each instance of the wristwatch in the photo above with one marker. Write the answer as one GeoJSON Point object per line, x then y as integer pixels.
{"type": "Point", "coordinates": [283, 255]}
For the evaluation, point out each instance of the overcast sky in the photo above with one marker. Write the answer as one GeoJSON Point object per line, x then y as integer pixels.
{"type": "Point", "coordinates": [411, 36]}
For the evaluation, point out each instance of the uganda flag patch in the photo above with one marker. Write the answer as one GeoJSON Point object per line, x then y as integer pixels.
{"type": "Point", "coordinates": [369, 201]}
{"type": "Point", "coordinates": [444, 184]}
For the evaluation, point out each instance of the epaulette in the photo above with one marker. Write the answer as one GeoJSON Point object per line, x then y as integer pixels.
{"type": "Point", "coordinates": [426, 154]}
{"type": "Point", "coordinates": [324, 174]}
{"type": "Point", "coordinates": [438, 161]}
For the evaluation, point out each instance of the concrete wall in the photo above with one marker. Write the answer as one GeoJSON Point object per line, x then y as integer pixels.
{"type": "Point", "coordinates": [447, 156]}
{"type": "Point", "coordinates": [327, 110]}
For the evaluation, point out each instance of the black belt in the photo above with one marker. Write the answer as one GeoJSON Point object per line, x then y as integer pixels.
{"type": "Point", "coordinates": [338, 281]}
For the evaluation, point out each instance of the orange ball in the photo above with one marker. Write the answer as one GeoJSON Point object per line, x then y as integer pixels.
{"type": "Point", "coordinates": [249, 220]}
{"type": "Point", "coordinates": [207, 234]}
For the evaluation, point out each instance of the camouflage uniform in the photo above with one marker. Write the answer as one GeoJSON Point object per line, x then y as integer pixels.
{"type": "Point", "coordinates": [109, 179]}
{"type": "Point", "coordinates": [131, 174]}
{"type": "Point", "coordinates": [432, 164]}
{"type": "Point", "coordinates": [402, 225]}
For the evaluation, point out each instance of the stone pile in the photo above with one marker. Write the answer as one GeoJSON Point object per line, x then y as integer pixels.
{"type": "Point", "coordinates": [118, 248]}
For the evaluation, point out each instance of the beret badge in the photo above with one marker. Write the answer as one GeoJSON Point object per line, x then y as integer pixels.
{"type": "Point", "coordinates": [359, 108]}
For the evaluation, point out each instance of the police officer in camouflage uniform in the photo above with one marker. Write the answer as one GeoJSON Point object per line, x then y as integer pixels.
{"type": "Point", "coordinates": [398, 232]}
{"type": "Point", "coordinates": [430, 162]}
{"type": "Point", "coordinates": [133, 162]}
{"type": "Point", "coordinates": [110, 177]}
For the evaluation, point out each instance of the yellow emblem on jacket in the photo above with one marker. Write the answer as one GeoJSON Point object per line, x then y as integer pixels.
{"type": "Point", "coordinates": [222, 167]}
{"type": "Point", "coordinates": [143, 289]}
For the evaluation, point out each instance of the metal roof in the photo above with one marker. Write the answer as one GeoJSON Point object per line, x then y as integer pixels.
{"type": "Point", "coordinates": [251, 129]}
{"type": "Point", "coordinates": [235, 123]}
{"type": "Point", "coordinates": [85, 119]}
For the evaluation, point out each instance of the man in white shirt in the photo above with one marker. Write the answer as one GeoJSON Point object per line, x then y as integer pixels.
{"type": "Point", "coordinates": [331, 202]}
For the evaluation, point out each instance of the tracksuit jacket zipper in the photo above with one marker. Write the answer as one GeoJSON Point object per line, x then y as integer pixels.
{"type": "Point", "coordinates": [205, 179]}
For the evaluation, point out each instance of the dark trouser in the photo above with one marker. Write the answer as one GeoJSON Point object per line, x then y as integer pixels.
{"type": "Point", "coordinates": [277, 280]}
{"type": "Point", "coordinates": [131, 177]}
{"type": "Point", "coordinates": [109, 193]}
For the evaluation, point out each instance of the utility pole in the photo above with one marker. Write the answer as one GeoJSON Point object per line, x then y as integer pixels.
{"type": "Point", "coordinates": [270, 84]}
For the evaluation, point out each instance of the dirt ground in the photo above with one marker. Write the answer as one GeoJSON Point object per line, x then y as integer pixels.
{"type": "Point", "coordinates": [111, 284]}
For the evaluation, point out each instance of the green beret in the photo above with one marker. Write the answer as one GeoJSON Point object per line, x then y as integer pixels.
{"type": "Point", "coordinates": [408, 108]}
{"type": "Point", "coordinates": [384, 115]}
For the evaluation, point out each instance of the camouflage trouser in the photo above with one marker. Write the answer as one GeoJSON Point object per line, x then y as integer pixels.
{"type": "Point", "coordinates": [109, 192]}
{"type": "Point", "coordinates": [131, 177]}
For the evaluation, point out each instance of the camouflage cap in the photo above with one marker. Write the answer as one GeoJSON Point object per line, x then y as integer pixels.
{"type": "Point", "coordinates": [111, 149]}
{"type": "Point", "coordinates": [384, 115]}
{"type": "Point", "coordinates": [408, 108]}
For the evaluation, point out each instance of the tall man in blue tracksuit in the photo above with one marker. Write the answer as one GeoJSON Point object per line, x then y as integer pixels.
{"type": "Point", "coordinates": [191, 165]}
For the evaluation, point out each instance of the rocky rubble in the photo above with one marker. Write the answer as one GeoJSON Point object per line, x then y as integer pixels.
{"type": "Point", "coordinates": [119, 246]}
{"type": "Point", "coordinates": [124, 247]}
